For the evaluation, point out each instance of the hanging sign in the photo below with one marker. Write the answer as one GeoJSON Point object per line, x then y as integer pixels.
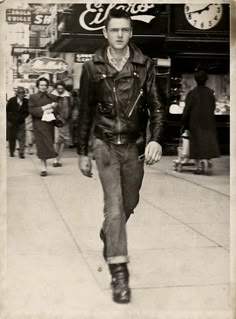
{"type": "Point", "coordinates": [81, 58]}
{"type": "Point", "coordinates": [26, 50]}
{"type": "Point", "coordinates": [41, 19]}
{"type": "Point", "coordinates": [49, 65]}
{"type": "Point", "coordinates": [18, 15]}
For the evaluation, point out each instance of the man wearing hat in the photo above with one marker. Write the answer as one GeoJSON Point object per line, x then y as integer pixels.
{"type": "Point", "coordinates": [17, 111]}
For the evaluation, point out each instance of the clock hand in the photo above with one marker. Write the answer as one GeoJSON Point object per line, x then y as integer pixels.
{"type": "Point", "coordinates": [201, 10]}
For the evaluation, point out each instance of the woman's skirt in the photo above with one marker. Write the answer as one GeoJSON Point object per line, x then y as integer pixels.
{"type": "Point", "coordinates": [44, 139]}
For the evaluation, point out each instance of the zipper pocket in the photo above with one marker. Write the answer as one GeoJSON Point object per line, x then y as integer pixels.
{"type": "Point", "coordinates": [118, 137]}
{"type": "Point", "coordinates": [117, 111]}
{"type": "Point", "coordinates": [135, 103]}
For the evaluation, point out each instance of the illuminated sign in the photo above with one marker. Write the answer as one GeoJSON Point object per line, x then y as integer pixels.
{"type": "Point", "coordinates": [49, 65]}
{"type": "Point", "coordinates": [81, 58]}
{"type": "Point", "coordinates": [95, 14]}
{"type": "Point", "coordinates": [89, 18]}
{"type": "Point", "coordinates": [18, 15]}
{"type": "Point", "coordinates": [25, 50]}
{"type": "Point", "coordinates": [41, 19]}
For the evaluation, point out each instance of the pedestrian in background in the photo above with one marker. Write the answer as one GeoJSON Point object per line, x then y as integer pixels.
{"type": "Point", "coordinates": [74, 118]}
{"type": "Point", "coordinates": [64, 108]}
{"type": "Point", "coordinates": [17, 111]}
{"type": "Point", "coordinates": [198, 118]}
{"type": "Point", "coordinates": [41, 107]}
{"type": "Point", "coordinates": [29, 134]}
{"type": "Point", "coordinates": [117, 92]}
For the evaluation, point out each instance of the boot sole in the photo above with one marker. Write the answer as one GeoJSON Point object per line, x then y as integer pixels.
{"type": "Point", "coordinates": [121, 302]}
{"type": "Point", "coordinates": [125, 301]}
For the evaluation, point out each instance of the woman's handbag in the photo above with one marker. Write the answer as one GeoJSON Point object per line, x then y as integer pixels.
{"type": "Point", "coordinates": [58, 122]}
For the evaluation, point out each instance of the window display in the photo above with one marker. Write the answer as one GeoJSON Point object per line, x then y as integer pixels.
{"type": "Point", "coordinates": [181, 85]}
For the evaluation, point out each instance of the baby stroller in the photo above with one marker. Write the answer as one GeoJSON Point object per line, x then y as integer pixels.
{"type": "Point", "coordinates": [183, 161]}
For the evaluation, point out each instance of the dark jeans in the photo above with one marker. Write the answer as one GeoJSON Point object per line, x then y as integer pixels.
{"type": "Point", "coordinates": [121, 175]}
{"type": "Point", "coordinates": [16, 133]}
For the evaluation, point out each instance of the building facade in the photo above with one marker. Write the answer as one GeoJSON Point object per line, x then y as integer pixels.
{"type": "Point", "coordinates": [178, 37]}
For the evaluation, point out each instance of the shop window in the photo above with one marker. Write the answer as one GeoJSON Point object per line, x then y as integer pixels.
{"type": "Point", "coordinates": [181, 85]}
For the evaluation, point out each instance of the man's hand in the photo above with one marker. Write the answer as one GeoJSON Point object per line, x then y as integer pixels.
{"type": "Point", "coordinates": [85, 165]}
{"type": "Point", "coordinates": [153, 152]}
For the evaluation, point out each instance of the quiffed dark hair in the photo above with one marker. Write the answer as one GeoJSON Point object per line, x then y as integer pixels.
{"type": "Point", "coordinates": [62, 83]}
{"type": "Point", "coordinates": [201, 77]}
{"type": "Point", "coordinates": [117, 13]}
{"type": "Point", "coordinates": [42, 79]}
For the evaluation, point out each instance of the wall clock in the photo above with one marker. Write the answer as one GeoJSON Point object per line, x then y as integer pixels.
{"type": "Point", "coordinates": [203, 16]}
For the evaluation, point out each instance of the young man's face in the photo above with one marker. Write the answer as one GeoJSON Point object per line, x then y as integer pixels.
{"type": "Point", "coordinates": [60, 89]}
{"type": "Point", "coordinates": [118, 33]}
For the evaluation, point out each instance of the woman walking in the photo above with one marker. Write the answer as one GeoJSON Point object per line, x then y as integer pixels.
{"type": "Point", "coordinates": [41, 107]}
{"type": "Point", "coordinates": [64, 108]}
{"type": "Point", "coordinates": [198, 118]}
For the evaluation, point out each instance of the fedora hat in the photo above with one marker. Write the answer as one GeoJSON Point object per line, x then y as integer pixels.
{"type": "Point", "coordinates": [20, 89]}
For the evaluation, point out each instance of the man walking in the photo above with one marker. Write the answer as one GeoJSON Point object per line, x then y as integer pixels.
{"type": "Point", "coordinates": [117, 93]}
{"type": "Point", "coordinates": [17, 111]}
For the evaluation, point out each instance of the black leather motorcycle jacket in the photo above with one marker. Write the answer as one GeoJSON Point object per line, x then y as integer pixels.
{"type": "Point", "coordinates": [116, 105]}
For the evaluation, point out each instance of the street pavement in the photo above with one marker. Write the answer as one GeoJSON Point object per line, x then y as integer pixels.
{"type": "Point", "coordinates": [178, 244]}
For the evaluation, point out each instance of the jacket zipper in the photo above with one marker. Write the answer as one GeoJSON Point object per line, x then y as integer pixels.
{"type": "Point", "coordinates": [118, 119]}
{"type": "Point", "coordinates": [135, 103]}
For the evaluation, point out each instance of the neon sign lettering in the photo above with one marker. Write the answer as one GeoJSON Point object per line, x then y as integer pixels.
{"type": "Point", "coordinates": [100, 13]}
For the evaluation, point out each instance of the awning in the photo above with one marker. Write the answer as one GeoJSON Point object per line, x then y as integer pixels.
{"type": "Point", "coordinates": [84, 43]}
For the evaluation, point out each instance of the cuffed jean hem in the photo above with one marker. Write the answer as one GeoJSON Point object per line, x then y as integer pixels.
{"type": "Point", "coordinates": [118, 260]}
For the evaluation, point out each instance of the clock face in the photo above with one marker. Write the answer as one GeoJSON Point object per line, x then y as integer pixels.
{"type": "Point", "coordinates": [203, 16]}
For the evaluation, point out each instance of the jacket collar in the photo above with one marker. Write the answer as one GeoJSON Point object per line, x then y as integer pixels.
{"type": "Point", "coordinates": [64, 94]}
{"type": "Point", "coordinates": [136, 55]}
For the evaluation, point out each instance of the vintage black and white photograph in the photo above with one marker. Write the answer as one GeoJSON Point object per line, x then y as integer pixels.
{"type": "Point", "coordinates": [115, 159]}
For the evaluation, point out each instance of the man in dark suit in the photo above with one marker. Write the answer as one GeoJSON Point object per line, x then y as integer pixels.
{"type": "Point", "coordinates": [17, 111]}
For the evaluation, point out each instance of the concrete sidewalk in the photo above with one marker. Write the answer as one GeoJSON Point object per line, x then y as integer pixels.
{"type": "Point", "coordinates": [178, 244]}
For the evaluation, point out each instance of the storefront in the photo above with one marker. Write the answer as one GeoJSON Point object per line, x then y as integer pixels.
{"type": "Point", "coordinates": [179, 38]}
{"type": "Point", "coordinates": [202, 40]}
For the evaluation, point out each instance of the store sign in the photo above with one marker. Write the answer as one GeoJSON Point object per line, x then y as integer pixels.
{"type": "Point", "coordinates": [38, 28]}
{"type": "Point", "coordinates": [41, 19]}
{"type": "Point", "coordinates": [49, 65]}
{"type": "Point", "coordinates": [18, 15]}
{"type": "Point", "coordinates": [23, 82]}
{"type": "Point", "coordinates": [25, 50]}
{"type": "Point", "coordinates": [95, 14]}
{"type": "Point", "coordinates": [89, 18]}
{"type": "Point", "coordinates": [43, 29]}
{"type": "Point", "coordinates": [81, 58]}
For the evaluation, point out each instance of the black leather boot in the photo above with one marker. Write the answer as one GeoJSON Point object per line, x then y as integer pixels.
{"type": "Point", "coordinates": [103, 238]}
{"type": "Point", "coordinates": [120, 283]}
